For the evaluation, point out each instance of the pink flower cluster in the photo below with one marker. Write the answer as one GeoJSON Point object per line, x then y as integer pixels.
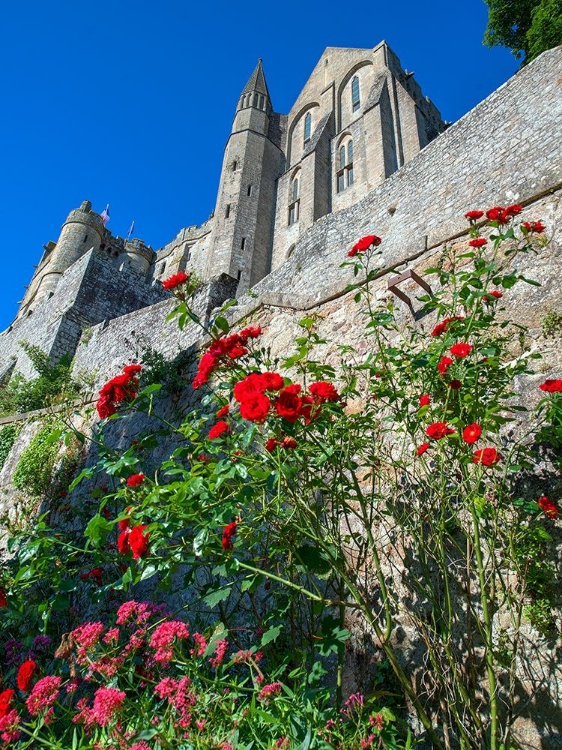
{"type": "Point", "coordinates": [108, 702]}
{"type": "Point", "coordinates": [43, 695]}
{"type": "Point", "coordinates": [164, 636]}
{"type": "Point", "coordinates": [178, 695]}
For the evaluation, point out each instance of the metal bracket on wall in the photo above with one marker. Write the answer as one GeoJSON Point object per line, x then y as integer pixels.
{"type": "Point", "coordinates": [394, 281]}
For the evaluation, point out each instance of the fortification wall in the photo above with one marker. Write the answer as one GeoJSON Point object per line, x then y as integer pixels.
{"type": "Point", "coordinates": [55, 325]}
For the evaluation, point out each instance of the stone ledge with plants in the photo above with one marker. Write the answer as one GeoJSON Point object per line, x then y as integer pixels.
{"type": "Point", "coordinates": [208, 603]}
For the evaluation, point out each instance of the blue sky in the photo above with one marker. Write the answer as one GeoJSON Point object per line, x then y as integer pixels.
{"type": "Point", "coordinates": [131, 103]}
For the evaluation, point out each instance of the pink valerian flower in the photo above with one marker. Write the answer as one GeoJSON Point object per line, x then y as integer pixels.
{"type": "Point", "coordinates": [200, 645]}
{"type": "Point", "coordinates": [86, 636]}
{"type": "Point", "coordinates": [43, 694]}
{"type": "Point", "coordinates": [354, 703]}
{"type": "Point", "coordinates": [112, 636]}
{"type": "Point", "coordinates": [142, 745]}
{"type": "Point", "coordinates": [200, 724]}
{"type": "Point", "coordinates": [377, 721]}
{"type": "Point", "coordinates": [178, 694]}
{"type": "Point", "coordinates": [364, 744]}
{"type": "Point", "coordinates": [139, 611]}
{"type": "Point", "coordinates": [107, 666]}
{"type": "Point", "coordinates": [163, 639]}
{"type": "Point", "coordinates": [269, 691]}
{"type": "Point", "coordinates": [107, 703]}
{"type": "Point", "coordinates": [9, 726]}
{"type": "Point", "coordinates": [221, 647]}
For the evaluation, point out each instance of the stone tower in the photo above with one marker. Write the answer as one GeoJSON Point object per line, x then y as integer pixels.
{"type": "Point", "coordinates": [82, 231]}
{"type": "Point", "coordinates": [245, 208]}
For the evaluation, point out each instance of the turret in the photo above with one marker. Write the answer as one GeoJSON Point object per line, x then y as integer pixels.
{"type": "Point", "coordinates": [82, 231]}
{"type": "Point", "coordinates": [242, 230]}
{"type": "Point", "coordinates": [139, 255]}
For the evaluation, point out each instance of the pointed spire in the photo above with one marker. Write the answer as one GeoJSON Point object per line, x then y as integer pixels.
{"type": "Point", "coordinates": [257, 82]}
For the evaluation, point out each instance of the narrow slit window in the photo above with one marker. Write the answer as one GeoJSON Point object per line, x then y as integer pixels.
{"type": "Point", "coordinates": [307, 127]}
{"type": "Point", "coordinates": [249, 189]}
{"type": "Point", "coordinates": [355, 98]}
{"type": "Point", "coordinates": [243, 243]}
{"type": "Point", "coordinates": [227, 211]}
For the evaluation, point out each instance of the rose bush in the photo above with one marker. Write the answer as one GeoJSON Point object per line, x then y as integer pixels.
{"type": "Point", "coordinates": [282, 517]}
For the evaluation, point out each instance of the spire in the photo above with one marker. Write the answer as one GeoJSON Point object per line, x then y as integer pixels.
{"type": "Point", "coordinates": [257, 81]}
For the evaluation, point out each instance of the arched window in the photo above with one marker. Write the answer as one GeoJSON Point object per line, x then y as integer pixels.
{"type": "Point", "coordinates": [344, 175]}
{"type": "Point", "coordinates": [307, 126]}
{"type": "Point", "coordinates": [294, 199]}
{"type": "Point", "coordinates": [355, 98]}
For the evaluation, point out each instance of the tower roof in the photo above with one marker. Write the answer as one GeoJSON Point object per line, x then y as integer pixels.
{"type": "Point", "coordinates": [257, 82]}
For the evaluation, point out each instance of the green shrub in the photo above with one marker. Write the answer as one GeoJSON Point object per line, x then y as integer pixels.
{"type": "Point", "coordinates": [8, 437]}
{"type": "Point", "coordinates": [34, 471]}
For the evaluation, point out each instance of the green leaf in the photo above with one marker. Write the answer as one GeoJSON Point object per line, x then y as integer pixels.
{"type": "Point", "coordinates": [222, 323]}
{"type": "Point", "coordinates": [271, 635]}
{"type": "Point", "coordinates": [201, 541]}
{"type": "Point", "coordinates": [311, 559]}
{"type": "Point", "coordinates": [214, 597]}
{"type": "Point", "coordinates": [97, 529]}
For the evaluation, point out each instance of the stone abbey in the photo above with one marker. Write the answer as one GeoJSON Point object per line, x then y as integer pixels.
{"type": "Point", "coordinates": [359, 118]}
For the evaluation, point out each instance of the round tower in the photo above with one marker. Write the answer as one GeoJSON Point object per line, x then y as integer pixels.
{"type": "Point", "coordinates": [82, 231]}
{"type": "Point", "coordinates": [139, 256]}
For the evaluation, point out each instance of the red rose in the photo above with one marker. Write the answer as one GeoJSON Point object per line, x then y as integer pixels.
{"type": "Point", "coordinates": [486, 456]}
{"type": "Point", "coordinates": [323, 391]}
{"type": "Point", "coordinates": [455, 385]}
{"type": "Point", "coordinates": [25, 673]}
{"type": "Point", "coordinates": [223, 412]}
{"type": "Point", "coordinates": [494, 293]}
{"type": "Point", "coordinates": [293, 388]}
{"type": "Point", "coordinates": [271, 381]}
{"type": "Point", "coordinates": [444, 325]}
{"type": "Point", "coordinates": [228, 532]}
{"type": "Point", "coordinates": [255, 409]}
{"type": "Point", "coordinates": [444, 364]}
{"type": "Point", "coordinates": [251, 386]}
{"type": "Point", "coordinates": [422, 449]}
{"type": "Point", "coordinates": [288, 405]}
{"type": "Point", "coordinates": [132, 369]}
{"type": "Point", "coordinates": [220, 428]}
{"type": "Point", "coordinates": [471, 433]}
{"type": "Point", "coordinates": [473, 215]}
{"type": "Point", "coordinates": [135, 480]}
{"type": "Point", "coordinates": [173, 281]}
{"type": "Point", "coordinates": [138, 541]}
{"type": "Point", "coordinates": [271, 444]}
{"type": "Point", "coordinates": [95, 574]}
{"type": "Point", "coordinates": [551, 386]}
{"type": "Point", "coordinates": [5, 698]}
{"type": "Point", "coordinates": [513, 210]}
{"type": "Point", "coordinates": [252, 332]}
{"type": "Point", "coordinates": [495, 213]}
{"type": "Point", "coordinates": [534, 226]}
{"type": "Point", "coordinates": [371, 240]}
{"type": "Point", "coordinates": [478, 242]}
{"type": "Point", "coordinates": [288, 442]}
{"type": "Point", "coordinates": [123, 542]}
{"type": "Point", "coordinates": [438, 430]}
{"type": "Point", "coordinates": [424, 400]}
{"type": "Point", "coordinates": [3, 600]}
{"type": "Point", "coordinates": [550, 509]}
{"type": "Point", "coordinates": [461, 350]}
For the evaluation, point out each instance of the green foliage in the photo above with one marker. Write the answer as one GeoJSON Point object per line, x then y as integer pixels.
{"type": "Point", "coordinates": [293, 533]}
{"type": "Point", "coordinates": [8, 437]}
{"type": "Point", "coordinates": [528, 27]}
{"type": "Point", "coordinates": [34, 471]}
{"type": "Point", "coordinates": [552, 324]}
{"type": "Point", "coordinates": [53, 385]}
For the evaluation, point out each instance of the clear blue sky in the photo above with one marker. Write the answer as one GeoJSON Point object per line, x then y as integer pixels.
{"type": "Point", "coordinates": [131, 103]}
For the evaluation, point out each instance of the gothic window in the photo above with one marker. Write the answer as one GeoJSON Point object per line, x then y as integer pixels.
{"type": "Point", "coordinates": [344, 175]}
{"type": "Point", "coordinates": [355, 99]}
{"type": "Point", "coordinates": [307, 127]}
{"type": "Point", "coordinates": [294, 199]}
